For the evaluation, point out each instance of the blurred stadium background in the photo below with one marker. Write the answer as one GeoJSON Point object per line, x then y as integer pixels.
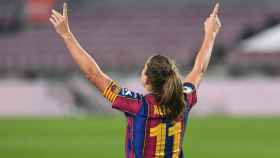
{"type": "Point", "coordinates": [48, 109]}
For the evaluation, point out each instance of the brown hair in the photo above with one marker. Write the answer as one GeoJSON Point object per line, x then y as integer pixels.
{"type": "Point", "coordinates": [166, 84]}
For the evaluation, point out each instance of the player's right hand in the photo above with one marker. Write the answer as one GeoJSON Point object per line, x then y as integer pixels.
{"type": "Point", "coordinates": [60, 21]}
{"type": "Point", "coordinates": [213, 24]}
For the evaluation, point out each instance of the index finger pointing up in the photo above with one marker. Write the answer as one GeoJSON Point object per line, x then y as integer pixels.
{"type": "Point", "coordinates": [216, 9]}
{"type": "Point", "coordinates": [65, 10]}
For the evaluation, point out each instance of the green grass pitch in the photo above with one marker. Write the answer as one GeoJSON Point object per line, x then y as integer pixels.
{"type": "Point", "coordinates": [103, 137]}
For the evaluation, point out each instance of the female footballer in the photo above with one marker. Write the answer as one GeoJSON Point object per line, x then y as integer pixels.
{"type": "Point", "coordinates": [156, 121]}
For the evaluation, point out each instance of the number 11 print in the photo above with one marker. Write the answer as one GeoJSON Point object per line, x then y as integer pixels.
{"type": "Point", "coordinates": [160, 133]}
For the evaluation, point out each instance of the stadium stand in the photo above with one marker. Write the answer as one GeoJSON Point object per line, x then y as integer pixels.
{"type": "Point", "coordinates": [121, 35]}
{"type": "Point", "coordinates": [122, 38]}
{"type": "Point", "coordinates": [260, 53]}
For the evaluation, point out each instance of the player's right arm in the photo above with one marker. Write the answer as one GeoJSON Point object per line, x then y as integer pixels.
{"type": "Point", "coordinates": [211, 28]}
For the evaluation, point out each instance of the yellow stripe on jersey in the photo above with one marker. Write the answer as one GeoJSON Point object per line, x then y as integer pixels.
{"type": "Point", "coordinates": [110, 96]}
{"type": "Point", "coordinates": [111, 91]}
{"type": "Point", "coordinates": [116, 92]}
{"type": "Point", "coordinates": [114, 97]}
{"type": "Point", "coordinates": [107, 88]}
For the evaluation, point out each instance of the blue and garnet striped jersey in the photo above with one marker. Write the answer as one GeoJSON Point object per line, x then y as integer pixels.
{"type": "Point", "coordinates": [149, 134]}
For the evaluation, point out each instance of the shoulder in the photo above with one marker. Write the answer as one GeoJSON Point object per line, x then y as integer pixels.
{"type": "Point", "coordinates": [190, 94]}
{"type": "Point", "coordinates": [188, 88]}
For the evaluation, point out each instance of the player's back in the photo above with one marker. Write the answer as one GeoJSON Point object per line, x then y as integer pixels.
{"type": "Point", "coordinates": [163, 137]}
{"type": "Point", "coordinates": [148, 133]}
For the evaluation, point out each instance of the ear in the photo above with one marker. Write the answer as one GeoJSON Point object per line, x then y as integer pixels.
{"type": "Point", "coordinates": [144, 80]}
{"type": "Point", "coordinates": [147, 84]}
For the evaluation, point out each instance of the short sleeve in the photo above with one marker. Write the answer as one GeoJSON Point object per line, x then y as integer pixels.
{"type": "Point", "coordinates": [123, 99]}
{"type": "Point", "coordinates": [190, 94]}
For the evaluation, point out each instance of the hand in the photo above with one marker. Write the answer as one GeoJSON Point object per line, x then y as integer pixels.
{"type": "Point", "coordinates": [213, 24]}
{"type": "Point", "coordinates": [60, 22]}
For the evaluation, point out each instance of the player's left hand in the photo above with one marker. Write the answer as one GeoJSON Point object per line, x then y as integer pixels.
{"type": "Point", "coordinates": [213, 24]}
{"type": "Point", "coordinates": [60, 21]}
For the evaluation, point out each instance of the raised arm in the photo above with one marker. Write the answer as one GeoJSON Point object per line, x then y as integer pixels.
{"type": "Point", "coordinates": [86, 63]}
{"type": "Point", "coordinates": [212, 26]}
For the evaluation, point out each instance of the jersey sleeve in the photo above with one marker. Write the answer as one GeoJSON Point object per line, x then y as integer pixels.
{"type": "Point", "coordinates": [189, 91]}
{"type": "Point", "coordinates": [122, 98]}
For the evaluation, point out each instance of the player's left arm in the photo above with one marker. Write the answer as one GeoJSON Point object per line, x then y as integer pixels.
{"type": "Point", "coordinates": [212, 26]}
{"type": "Point", "coordinates": [86, 63]}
